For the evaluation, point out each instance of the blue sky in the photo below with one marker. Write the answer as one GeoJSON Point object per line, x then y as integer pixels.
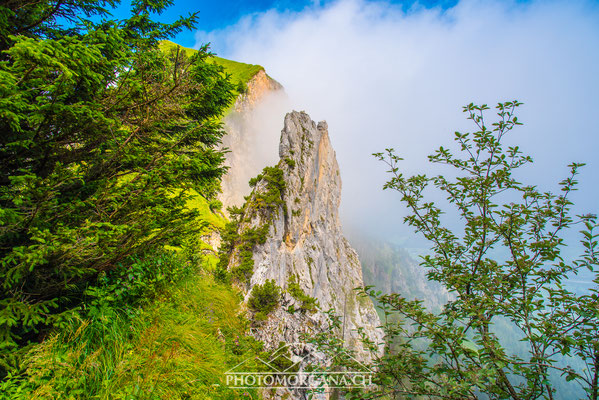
{"type": "Point", "coordinates": [215, 15]}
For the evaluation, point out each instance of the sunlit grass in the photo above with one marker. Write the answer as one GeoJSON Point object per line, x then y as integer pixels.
{"type": "Point", "coordinates": [179, 347]}
{"type": "Point", "coordinates": [240, 72]}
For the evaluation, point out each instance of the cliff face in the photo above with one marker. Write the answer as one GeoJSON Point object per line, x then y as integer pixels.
{"type": "Point", "coordinates": [302, 247]}
{"type": "Point", "coordinates": [304, 244]}
{"type": "Point", "coordinates": [305, 241]}
{"type": "Point", "coordinates": [251, 135]}
{"type": "Point", "coordinates": [257, 88]}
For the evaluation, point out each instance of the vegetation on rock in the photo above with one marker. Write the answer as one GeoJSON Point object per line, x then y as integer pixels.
{"type": "Point", "coordinates": [306, 303]}
{"type": "Point", "coordinates": [268, 200]}
{"type": "Point", "coordinates": [264, 299]}
{"type": "Point", "coordinates": [238, 239]}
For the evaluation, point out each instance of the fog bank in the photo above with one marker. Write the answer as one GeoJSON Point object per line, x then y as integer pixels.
{"type": "Point", "coordinates": [383, 76]}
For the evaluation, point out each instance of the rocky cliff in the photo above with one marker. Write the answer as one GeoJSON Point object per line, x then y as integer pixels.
{"type": "Point", "coordinates": [251, 135]}
{"type": "Point", "coordinates": [302, 249]}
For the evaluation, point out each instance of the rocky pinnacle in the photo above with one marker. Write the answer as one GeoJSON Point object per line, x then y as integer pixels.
{"type": "Point", "coordinates": [305, 242]}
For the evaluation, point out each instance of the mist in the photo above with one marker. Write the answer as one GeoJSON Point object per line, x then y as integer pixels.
{"type": "Point", "coordinates": [257, 131]}
{"type": "Point", "coordinates": [385, 76]}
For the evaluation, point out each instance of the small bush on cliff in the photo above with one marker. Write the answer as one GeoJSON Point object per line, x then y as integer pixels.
{"type": "Point", "coordinates": [241, 88]}
{"type": "Point", "coordinates": [244, 243]}
{"type": "Point", "coordinates": [249, 239]}
{"type": "Point", "coordinates": [264, 299]}
{"type": "Point", "coordinates": [307, 303]}
{"type": "Point", "coordinates": [272, 197]}
{"type": "Point", "coordinates": [290, 162]}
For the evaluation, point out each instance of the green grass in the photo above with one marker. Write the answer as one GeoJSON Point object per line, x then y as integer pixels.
{"type": "Point", "coordinates": [199, 203]}
{"type": "Point", "coordinates": [179, 347]}
{"type": "Point", "coordinates": [175, 342]}
{"type": "Point", "coordinates": [240, 72]}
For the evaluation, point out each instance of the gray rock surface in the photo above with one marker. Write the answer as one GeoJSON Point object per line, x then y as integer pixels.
{"type": "Point", "coordinates": [305, 241]}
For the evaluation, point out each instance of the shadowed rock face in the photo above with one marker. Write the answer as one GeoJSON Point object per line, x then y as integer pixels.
{"type": "Point", "coordinates": [305, 241]}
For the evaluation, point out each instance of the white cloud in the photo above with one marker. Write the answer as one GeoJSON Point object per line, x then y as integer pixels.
{"type": "Point", "coordinates": [386, 77]}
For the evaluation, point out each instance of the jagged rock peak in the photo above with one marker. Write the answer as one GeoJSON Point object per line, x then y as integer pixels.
{"type": "Point", "coordinates": [313, 191]}
{"type": "Point", "coordinates": [305, 245]}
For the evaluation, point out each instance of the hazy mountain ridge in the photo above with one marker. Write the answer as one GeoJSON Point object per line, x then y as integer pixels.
{"type": "Point", "coordinates": [390, 268]}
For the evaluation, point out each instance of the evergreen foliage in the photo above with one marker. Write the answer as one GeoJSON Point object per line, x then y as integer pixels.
{"type": "Point", "coordinates": [268, 200]}
{"type": "Point", "coordinates": [240, 240]}
{"type": "Point", "coordinates": [290, 162]}
{"type": "Point", "coordinates": [240, 73]}
{"type": "Point", "coordinates": [243, 244]}
{"type": "Point", "coordinates": [307, 303]}
{"type": "Point", "coordinates": [104, 138]}
{"type": "Point", "coordinates": [264, 299]}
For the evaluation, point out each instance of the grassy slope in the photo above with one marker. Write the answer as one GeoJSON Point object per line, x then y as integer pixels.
{"type": "Point", "coordinates": [179, 347]}
{"type": "Point", "coordinates": [240, 72]}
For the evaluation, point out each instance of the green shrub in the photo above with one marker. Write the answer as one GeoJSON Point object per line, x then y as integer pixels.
{"type": "Point", "coordinates": [290, 162]}
{"type": "Point", "coordinates": [137, 280]}
{"type": "Point", "coordinates": [264, 299]}
{"type": "Point", "coordinates": [243, 272]}
{"type": "Point", "coordinates": [272, 197]}
{"type": "Point", "coordinates": [215, 205]}
{"type": "Point", "coordinates": [241, 88]}
{"type": "Point", "coordinates": [254, 181]}
{"type": "Point", "coordinates": [229, 237]}
{"type": "Point", "coordinates": [307, 303]}
{"type": "Point", "coordinates": [245, 241]}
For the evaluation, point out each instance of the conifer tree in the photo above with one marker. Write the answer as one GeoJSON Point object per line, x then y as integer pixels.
{"type": "Point", "coordinates": [103, 138]}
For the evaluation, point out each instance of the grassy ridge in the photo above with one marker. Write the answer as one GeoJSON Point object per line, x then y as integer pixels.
{"type": "Point", "coordinates": [240, 72]}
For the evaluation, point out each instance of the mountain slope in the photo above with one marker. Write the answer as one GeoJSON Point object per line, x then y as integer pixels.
{"type": "Point", "coordinates": [240, 72]}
